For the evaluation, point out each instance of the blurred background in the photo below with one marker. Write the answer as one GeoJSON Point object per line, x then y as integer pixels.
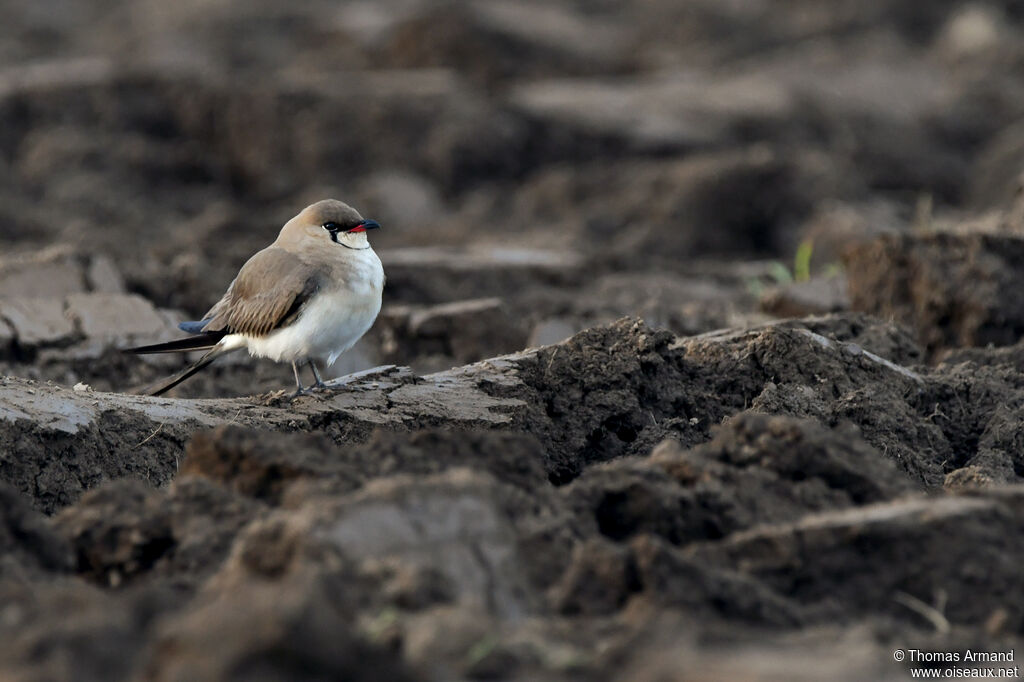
{"type": "Point", "coordinates": [538, 167]}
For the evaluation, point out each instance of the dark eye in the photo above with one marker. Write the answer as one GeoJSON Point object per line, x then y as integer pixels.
{"type": "Point", "coordinates": [331, 227]}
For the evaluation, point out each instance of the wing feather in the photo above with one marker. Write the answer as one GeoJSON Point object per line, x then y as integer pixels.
{"type": "Point", "coordinates": [267, 294]}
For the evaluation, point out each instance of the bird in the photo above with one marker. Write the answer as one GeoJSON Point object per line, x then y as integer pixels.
{"type": "Point", "coordinates": [306, 298]}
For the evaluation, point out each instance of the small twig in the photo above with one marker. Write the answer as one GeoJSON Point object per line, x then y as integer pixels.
{"type": "Point", "coordinates": [150, 436]}
{"type": "Point", "coordinates": [929, 613]}
{"type": "Point", "coordinates": [940, 600]}
{"type": "Point", "coordinates": [551, 361]}
{"type": "Point", "coordinates": [936, 412]}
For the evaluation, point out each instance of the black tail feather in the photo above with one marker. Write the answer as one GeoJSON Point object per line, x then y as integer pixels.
{"type": "Point", "coordinates": [164, 385]}
{"type": "Point", "coordinates": [204, 341]}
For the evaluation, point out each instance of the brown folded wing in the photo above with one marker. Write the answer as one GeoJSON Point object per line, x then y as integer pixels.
{"type": "Point", "coordinates": [266, 295]}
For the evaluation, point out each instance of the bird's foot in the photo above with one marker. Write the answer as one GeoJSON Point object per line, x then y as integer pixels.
{"type": "Point", "coordinates": [299, 392]}
{"type": "Point", "coordinates": [318, 383]}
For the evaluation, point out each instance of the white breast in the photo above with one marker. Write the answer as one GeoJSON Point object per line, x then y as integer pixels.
{"type": "Point", "coordinates": [332, 321]}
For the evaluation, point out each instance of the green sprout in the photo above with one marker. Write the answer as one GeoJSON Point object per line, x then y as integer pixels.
{"type": "Point", "coordinates": [382, 622]}
{"type": "Point", "coordinates": [801, 272]}
{"type": "Point", "coordinates": [779, 272]}
{"type": "Point", "coordinates": [802, 260]}
{"type": "Point", "coordinates": [481, 650]}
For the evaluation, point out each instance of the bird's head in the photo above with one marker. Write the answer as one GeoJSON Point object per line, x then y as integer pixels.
{"type": "Point", "coordinates": [331, 224]}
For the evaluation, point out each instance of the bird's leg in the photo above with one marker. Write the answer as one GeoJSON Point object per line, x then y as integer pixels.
{"type": "Point", "coordinates": [319, 383]}
{"type": "Point", "coordinates": [299, 390]}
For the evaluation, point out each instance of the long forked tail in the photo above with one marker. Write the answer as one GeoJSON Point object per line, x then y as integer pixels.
{"type": "Point", "coordinates": [164, 385]}
{"type": "Point", "coordinates": [203, 341]}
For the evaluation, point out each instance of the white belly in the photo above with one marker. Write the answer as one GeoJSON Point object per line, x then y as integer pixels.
{"type": "Point", "coordinates": [328, 325]}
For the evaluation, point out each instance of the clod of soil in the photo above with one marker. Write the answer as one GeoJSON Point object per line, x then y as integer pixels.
{"type": "Point", "coordinates": [956, 290]}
